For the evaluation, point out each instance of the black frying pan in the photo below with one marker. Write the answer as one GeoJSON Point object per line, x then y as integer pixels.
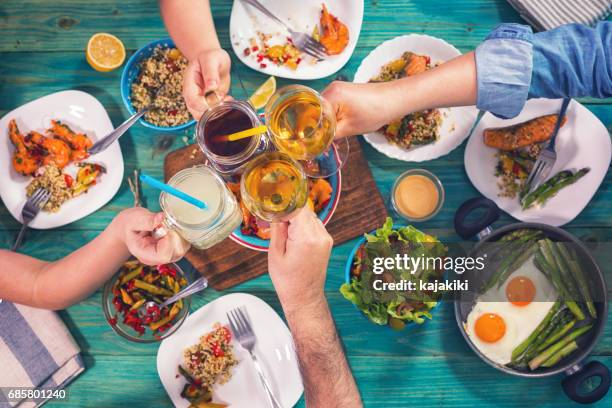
{"type": "Point", "coordinates": [576, 372]}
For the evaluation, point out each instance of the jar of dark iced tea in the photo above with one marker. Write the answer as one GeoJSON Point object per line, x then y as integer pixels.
{"type": "Point", "coordinates": [229, 157]}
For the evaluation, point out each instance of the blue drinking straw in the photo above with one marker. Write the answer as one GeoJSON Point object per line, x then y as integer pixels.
{"type": "Point", "coordinates": [172, 191]}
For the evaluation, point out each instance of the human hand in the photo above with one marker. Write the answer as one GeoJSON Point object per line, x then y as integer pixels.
{"type": "Point", "coordinates": [135, 227]}
{"type": "Point", "coordinates": [209, 71]}
{"type": "Point", "coordinates": [297, 259]}
{"type": "Point", "coordinates": [361, 108]}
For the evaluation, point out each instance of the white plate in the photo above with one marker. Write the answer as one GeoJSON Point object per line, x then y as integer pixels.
{"type": "Point", "coordinates": [83, 113]}
{"type": "Point", "coordinates": [274, 349]}
{"type": "Point", "coordinates": [583, 142]}
{"type": "Point", "coordinates": [246, 22]}
{"type": "Point", "coordinates": [457, 122]}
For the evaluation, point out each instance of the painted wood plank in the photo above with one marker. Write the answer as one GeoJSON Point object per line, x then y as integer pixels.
{"type": "Point", "coordinates": [66, 25]}
{"type": "Point", "coordinates": [385, 382]}
{"type": "Point", "coordinates": [41, 50]}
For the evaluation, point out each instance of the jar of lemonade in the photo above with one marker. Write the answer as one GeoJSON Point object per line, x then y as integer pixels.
{"type": "Point", "coordinates": [203, 228]}
{"type": "Point", "coordinates": [229, 157]}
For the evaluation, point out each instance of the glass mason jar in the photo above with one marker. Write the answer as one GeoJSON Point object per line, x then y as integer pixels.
{"type": "Point", "coordinates": [229, 158]}
{"type": "Point", "coordinates": [203, 228]}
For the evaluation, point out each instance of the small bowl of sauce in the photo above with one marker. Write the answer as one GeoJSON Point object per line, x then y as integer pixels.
{"type": "Point", "coordinates": [417, 195]}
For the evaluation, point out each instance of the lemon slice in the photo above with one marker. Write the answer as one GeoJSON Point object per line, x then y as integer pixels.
{"type": "Point", "coordinates": [105, 52]}
{"type": "Point", "coordinates": [261, 96]}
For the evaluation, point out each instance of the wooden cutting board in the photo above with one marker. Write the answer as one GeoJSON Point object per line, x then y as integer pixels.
{"type": "Point", "coordinates": [361, 209]}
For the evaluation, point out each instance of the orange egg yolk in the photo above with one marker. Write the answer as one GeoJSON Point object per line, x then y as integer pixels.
{"type": "Point", "coordinates": [490, 327]}
{"type": "Point", "coordinates": [520, 291]}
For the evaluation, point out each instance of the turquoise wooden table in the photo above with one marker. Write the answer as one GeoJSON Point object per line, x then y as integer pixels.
{"type": "Point", "coordinates": [41, 46]}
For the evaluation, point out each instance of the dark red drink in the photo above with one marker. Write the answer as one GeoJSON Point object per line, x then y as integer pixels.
{"type": "Point", "coordinates": [225, 124]}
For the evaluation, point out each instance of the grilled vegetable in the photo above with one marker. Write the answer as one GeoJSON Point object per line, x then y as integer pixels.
{"type": "Point", "coordinates": [137, 284]}
{"type": "Point", "coordinates": [545, 262]}
{"type": "Point", "coordinates": [557, 334]}
{"type": "Point", "coordinates": [552, 186]}
{"type": "Point", "coordinates": [512, 257]}
{"type": "Point", "coordinates": [574, 265]}
{"type": "Point", "coordinates": [559, 355]}
{"type": "Point", "coordinates": [521, 348]}
{"type": "Point", "coordinates": [559, 319]}
{"type": "Point", "coordinates": [526, 252]}
{"type": "Point", "coordinates": [550, 352]}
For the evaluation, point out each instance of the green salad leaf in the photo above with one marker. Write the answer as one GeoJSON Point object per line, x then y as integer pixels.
{"type": "Point", "coordinates": [378, 305]}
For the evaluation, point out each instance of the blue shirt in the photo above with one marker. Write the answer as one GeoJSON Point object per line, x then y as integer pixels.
{"type": "Point", "coordinates": [514, 64]}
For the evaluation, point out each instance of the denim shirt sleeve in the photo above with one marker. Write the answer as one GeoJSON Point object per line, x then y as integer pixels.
{"type": "Point", "coordinates": [513, 64]}
{"type": "Point", "coordinates": [503, 70]}
{"type": "Point", "coordinates": [573, 61]}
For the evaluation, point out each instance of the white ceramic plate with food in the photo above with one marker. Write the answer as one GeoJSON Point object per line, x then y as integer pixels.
{"type": "Point", "coordinates": [582, 142]}
{"type": "Point", "coordinates": [246, 23]}
{"type": "Point", "coordinates": [274, 349]}
{"type": "Point", "coordinates": [456, 122]}
{"type": "Point", "coordinates": [82, 113]}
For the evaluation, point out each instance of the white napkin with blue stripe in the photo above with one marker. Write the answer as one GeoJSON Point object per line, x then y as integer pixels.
{"type": "Point", "coordinates": [548, 14]}
{"type": "Point", "coordinates": [36, 351]}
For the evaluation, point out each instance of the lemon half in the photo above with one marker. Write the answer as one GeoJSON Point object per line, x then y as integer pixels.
{"type": "Point", "coordinates": [105, 52]}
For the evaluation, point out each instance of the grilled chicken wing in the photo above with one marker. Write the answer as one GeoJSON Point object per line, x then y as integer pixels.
{"type": "Point", "coordinates": [24, 161]}
{"type": "Point", "coordinates": [58, 152]}
{"type": "Point", "coordinates": [78, 142]}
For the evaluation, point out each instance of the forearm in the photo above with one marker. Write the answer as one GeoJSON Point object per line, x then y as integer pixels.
{"type": "Point", "coordinates": [328, 381]}
{"type": "Point", "coordinates": [57, 285]}
{"type": "Point", "coordinates": [452, 83]}
{"type": "Point", "coordinates": [190, 25]}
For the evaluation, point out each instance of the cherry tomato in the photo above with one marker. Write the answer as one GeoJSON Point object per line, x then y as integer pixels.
{"type": "Point", "coordinates": [217, 350]}
{"type": "Point", "coordinates": [68, 179]}
{"type": "Point", "coordinates": [227, 334]}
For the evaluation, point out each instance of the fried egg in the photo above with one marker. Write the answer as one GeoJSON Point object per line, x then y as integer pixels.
{"type": "Point", "coordinates": [502, 318]}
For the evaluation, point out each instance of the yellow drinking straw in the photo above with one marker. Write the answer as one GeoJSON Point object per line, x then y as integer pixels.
{"type": "Point", "coordinates": [243, 134]}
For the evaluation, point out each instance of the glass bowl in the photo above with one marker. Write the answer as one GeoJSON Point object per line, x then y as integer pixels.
{"type": "Point", "coordinates": [115, 319]}
{"type": "Point", "coordinates": [437, 183]}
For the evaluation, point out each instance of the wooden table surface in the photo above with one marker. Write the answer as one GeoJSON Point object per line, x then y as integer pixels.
{"type": "Point", "coordinates": [41, 50]}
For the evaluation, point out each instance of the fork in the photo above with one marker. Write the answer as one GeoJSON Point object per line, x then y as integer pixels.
{"type": "Point", "coordinates": [30, 209]}
{"type": "Point", "coordinates": [302, 41]}
{"type": "Point", "coordinates": [116, 133]}
{"type": "Point", "coordinates": [547, 157]}
{"type": "Point", "coordinates": [240, 324]}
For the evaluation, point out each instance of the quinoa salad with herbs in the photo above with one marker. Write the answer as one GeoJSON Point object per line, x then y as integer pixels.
{"type": "Point", "coordinates": [418, 128]}
{"type": "Point", "coordinates": [163, 69]}
{"type": "Point", "coordinates": [53, 180]}
{"type": "Point", "coordinates": [211, 360]}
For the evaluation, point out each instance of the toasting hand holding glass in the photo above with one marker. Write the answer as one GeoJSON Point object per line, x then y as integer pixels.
{"type": "Point", "coordinates": [499, 77]}
{"type": "Point", "coordinates": [302, 124]}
